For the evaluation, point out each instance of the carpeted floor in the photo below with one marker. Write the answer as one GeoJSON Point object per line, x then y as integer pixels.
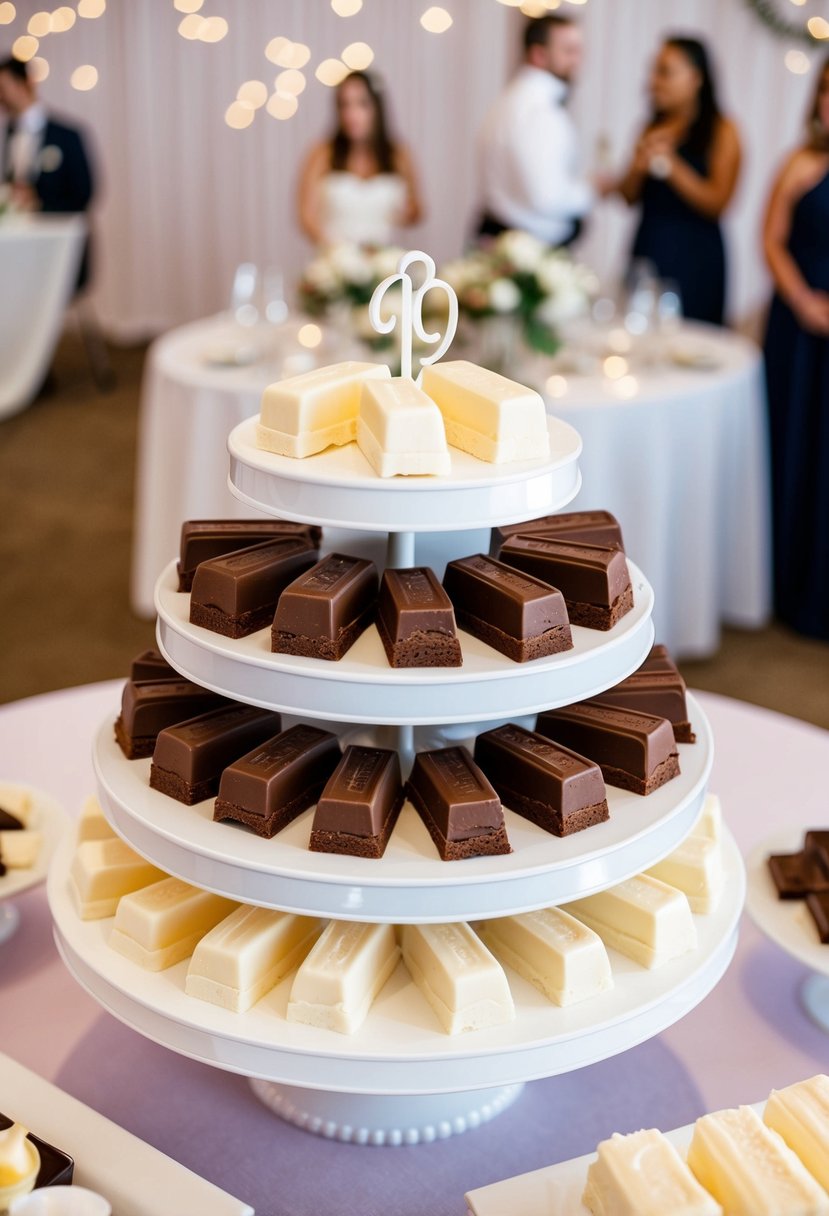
{"type": "Point", "coordinates": [66, 490]}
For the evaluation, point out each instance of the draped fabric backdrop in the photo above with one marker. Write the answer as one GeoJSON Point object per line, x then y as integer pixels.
{"type": "Point", "coordinates": [185, 199]}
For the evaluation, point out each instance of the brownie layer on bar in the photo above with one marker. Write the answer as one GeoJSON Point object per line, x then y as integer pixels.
{"type": "Point", "coordinates": [323, 612]}
{"type": "Point", "coordinates": [56, 1166]}
{"type": "Point", "coordinates": [459, 806]}
{"type": "Point", "coordinates": [635, 751]}
{"type": "Point", "coordinates": [654, 691]}
{"type": "Point", "coordinates": [415, 620]}
{"type": "Point", "coordinates": [516, 614]}
{"type": "Point", "coordinates": [203, 539]}
{"type": "Point", "coordinates": [274, 783]}
{"type": "Point", "coordinates": [594, 527]}
{"type": "Point", "coordinates": [360, 804]}
{"type": "Point", "coordinates": [237, 594]}
{"type": "Point", "coordinates": [147, 708]}
{"type": "Point", "coordinates": [189, 757]}
{"type": "Point", "coordinates": [594, 579]}
{"type": "Point", "coordinates": [151, 665]}
{"type": "Point", "coordinates": [552, 786]}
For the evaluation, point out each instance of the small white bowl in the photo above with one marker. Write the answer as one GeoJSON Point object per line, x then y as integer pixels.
{"type": "Point", "coordinates": [61, 1201]}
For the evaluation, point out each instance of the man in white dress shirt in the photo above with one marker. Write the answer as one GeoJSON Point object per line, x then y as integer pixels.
{"type": "Point", "coordinates": [530, 156]}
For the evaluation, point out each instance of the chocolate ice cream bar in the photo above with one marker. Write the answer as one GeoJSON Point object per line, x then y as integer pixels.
{"type": "Point", "coordinates": [796, 874]}
{"type": "Point", "coordinates": [416, 621]}
{"type": "Point", "coordinates": [510, 611]}
{"type": "Point", "coordinates": [594, 580]}
{"type": "Point", "coordinates": [189, 757]}
{"type": "Point", "coordinates": [653, 692]}
{"type": "Point", "coordinates": [323, 612]}
{"type": "Point", "coordinates": [555, 788]}
{"type": "Point", "coordinates": [461, 810]}
{"type": "Point", "coordinates": [359, 806]}
{"type": "Point", "coordinates": [150, 665]}
{"type": "Point", "coordinates": [593, 527]}
{"type": "Point", "coordinates": [635, 751]}
{"type": "Point", "coordinates": [203, 539]}
{"type": "Point", "coordinates": [274, 783]}
{"type": "Point", "coordinates": [148, 708]}
{"type": "Point", "coordinates": [658, 659]}
{"type": "Point", "coordinates": [56, 1167]}
{"type": "Point", "coordinates": [237, 594]}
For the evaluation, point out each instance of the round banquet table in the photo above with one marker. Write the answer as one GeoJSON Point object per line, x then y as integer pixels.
{"type": "Point", "coordinates": [682, 463]}
{"type": "Point", "coordinates": [748, 1036]}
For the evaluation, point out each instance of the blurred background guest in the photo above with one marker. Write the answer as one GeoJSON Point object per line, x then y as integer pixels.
{"type": "Point", "coordinates": [531, 178]}
{"type": "Point", "coordinates": [682, 176]}
{"type": "Point", "coordinates": [796, 242]}
{"type": "Point", "coordinates": [360, 185]}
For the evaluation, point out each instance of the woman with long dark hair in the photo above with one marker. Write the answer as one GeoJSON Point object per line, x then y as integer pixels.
{"type": "Point", "coordinates": [682, 176]}
{"type": "Point", "coordinates": [358, 186]}
{"type": "Point", "coordinates": [796, 244]}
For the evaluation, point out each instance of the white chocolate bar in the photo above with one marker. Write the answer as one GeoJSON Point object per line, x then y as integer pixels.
{"type": "Point", "coordinates": [709, 823]}
{"type": "Point", "coordinates": [400, 430]}
{"type": "Point", "coordinates": [750, 1170]}
{"type": "Point", "coordinates": [643, 1175]}
{"type": "Point", "coordinates": [102, 872]}
{"type": "Point", "coordinates": [559, 955]}
{"type": "Point", "coordinates": [486, 414]}
{"type": "Point", "coordinates": [309, 412]}
{"type": "Point", "coordinates": [19, 849]}
{"type": "Point", "coordinates": [462, 981]}
{"type": "Point", "coordinates": [694, 867]}
{"type": "Point", "coordinates": [92, 824]}
{"type": "Point", "coordinates": [800, 1114]}
{"type": "Point", "coordinates": [642, 918]}
{"type": "Point", "coordinates": [17, 800]}
{"type": "Point", "coordinates": [339, 980]}
{"type": "Point", "coordinates": [161, 924]}
{"type": "Point", "coordinates": [247, 954]}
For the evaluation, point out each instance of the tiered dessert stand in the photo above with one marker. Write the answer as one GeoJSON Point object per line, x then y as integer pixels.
{"type": "Point", "coordinates": [399, 1078]}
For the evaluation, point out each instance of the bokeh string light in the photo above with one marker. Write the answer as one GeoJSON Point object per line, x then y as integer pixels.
{"type": "Point", "coordinates": [7, 12]}
{"type": "Point", "coordinates": [331, 72]}
{"type": "Point", "coordinates": [436, 20]}
{"type": "Point", "coordinates": [346, 8]}
{"type": "Point", "coordinates": [84, 78]}
{"type": "Point", "coordinates": [90, 9]}
{"type": "Point", "coordinates": [38, 69]}
{"type": "Point", "coordinates": [357, 56]}
{"type": "Point", "coordinates": [62, 19]}
{"type": "Point", "coordinates": [25, 47]}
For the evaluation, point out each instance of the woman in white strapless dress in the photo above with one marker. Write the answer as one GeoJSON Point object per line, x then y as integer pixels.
{"type": "Point", "coordinates": [359, 186]}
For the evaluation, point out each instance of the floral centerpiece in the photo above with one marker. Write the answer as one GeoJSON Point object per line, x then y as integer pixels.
{"type": "Point", "coordinates": [338, 285]}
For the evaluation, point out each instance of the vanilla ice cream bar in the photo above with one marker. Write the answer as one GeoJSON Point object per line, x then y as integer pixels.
{"type": "Point", "coordinates": [694, 867]}
{"type": "Point", "coordinates": [339, 980]}
{"type": "Point", "coordinates": [462, 981]}
{"type": "Point", "coordinates": [308, 413]}
{"type": "Point", "coordinates": [17, 800]}
{"type": "Point", "coordinates": [709, 822]}
{"type": "Point", "coordinates": [642, 918]}
{"type": "Point", "coordinates": [559, 955]}
{"type": "Point", "coordinates": [643, 1175]}
{"type": "Point", "coordinates": [247, 954]}
{"type": "Point", "coordinates": [102, 872]}
{"type": "Point", "coordinates": [19, 849]}
{"type": "Point", "coordinates": [400, 430]}
{"type": "Point", "coordinates": [750, 1170]}
{"type": "Point", "coordinates": [161, 924]}
{"type": "Point", "coordinates": [92, 824]}
{"type": "Point", "coordinates": [800, 1114]}
{"type": "Point", "coordinates": [486, 414]}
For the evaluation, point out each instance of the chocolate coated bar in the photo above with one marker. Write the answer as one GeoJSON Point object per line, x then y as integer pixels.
{"type": "Point", "coordinates": [594, 527]}
{"type": "Point", "coordinates": [635, 751]}
{"type": "Point", "coordinates": [202, 539]}
{"type": "Point", "coordinates": [151, 665]}
{"type": "Point", "coordinates": [650, 691]}
{"type": "Point", "coordinates": [797, 874]}
{"type": "Point", "coordinates": [416, 621]}
{"type": "Point", "coordinates": [323, 612]}
{"type": "Point", "coordinates": [237, 594]}
{"type": "Point", "coordinates": [360, 804]}
{"type": "Point", "coordinates": [189, 757]}
{"type": "Point", "coordinates": [147, 708]}
{"type": "Point", "coordinates": [594, 580]}
{"type": "Point", "coordinates": [459, 806]}
{"type": "Point", "coordinates": [818, 904]}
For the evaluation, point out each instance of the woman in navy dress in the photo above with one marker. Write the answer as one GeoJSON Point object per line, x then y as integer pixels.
{"type": "Point", "coordinates": [682, 176]}
{"type": "Point", "coordinates": [796, 242]}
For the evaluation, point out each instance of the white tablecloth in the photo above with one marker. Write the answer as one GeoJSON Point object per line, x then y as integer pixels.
{"type": "Point", "coordinates": [39, 259]}
{"type": "Point", "coordinates": [682, 464]}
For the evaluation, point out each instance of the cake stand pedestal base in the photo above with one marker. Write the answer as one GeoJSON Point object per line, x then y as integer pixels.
{"type": "Point", "coordinates": [382, 1119]}
{"type": "Point", "coordinates": [9, 920]}
{"type": "Point", "coordinates": [815, 998]}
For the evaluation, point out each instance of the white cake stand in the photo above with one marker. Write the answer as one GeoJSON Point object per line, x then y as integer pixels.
{"type": "Point", "coordinates": [788, 923]}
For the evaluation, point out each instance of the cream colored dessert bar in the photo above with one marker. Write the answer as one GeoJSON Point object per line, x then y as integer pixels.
{"type": "Point", "coordinates": [460, 978]}
{"type": "Point", "coordinates": [694, 867]}
{"type": "Point", "coordinates": [247, 954]}
{"type": "Point", "coordinates": [308, 413]}
{"type": "Point", "coordinates": [643, 1175]}
{"type": "Point", "coordinates": [339, 980]}
{"type": "Point", "coordinates": [486, 414]}
{"type": "Point", "coordinates": [750, 1170]}
{"type": "Point", "coordinates": [161, 924]}
{"type": "Point", "coordinates": [102, 872]}
{"type": "Point", "coordinates": [557, 953]}
{"type": "Point", "coordinates": [400, 430]}
{"type": "Point", "coordinates": [92, 824]}
{"type": "Point", "coordinates": [17, 800]}
{"type": "Point", "coordinates": [642, 918]}
{"type": "Point", "coordinates": [19, 850]}
{"type": "Point", "coordinates": [800, 1114]}
{"type": "Point", "coordinates": [709, 823]}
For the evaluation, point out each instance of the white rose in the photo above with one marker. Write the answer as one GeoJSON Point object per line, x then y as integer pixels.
{"type": "Point", "coordinates": [351, 263]}
{"type": "Point", "coordinates": [320, 275]}
{"type": "Point", "coordinates": [385, 262]}
{"type": "Point", "coordinates": [564, 305]}
{"type": "Point", "coordinates": [520, 249]}
{"type": "Point", "coordinates": [504, 295]}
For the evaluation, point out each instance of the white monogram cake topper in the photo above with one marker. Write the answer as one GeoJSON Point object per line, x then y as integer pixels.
{"type": "Point", "coordinates": [411, 310]}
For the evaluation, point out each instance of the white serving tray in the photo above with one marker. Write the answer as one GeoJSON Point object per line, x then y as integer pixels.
{"type": "Point", "coordinates": [400, 1048]}
{"type": "Point", "coordinates": [136, 1179]}
{"type": "Point", "coordinates": [362, 687]}
{"type": "Point", "coordinates": [555, 1190]}
{"type": "Point", "coordinates": [339, 487]}
{"type": "Point", "coordinates": [48, 817]}
{"type": "Point", "coordinates": [786, 921]}
{"type": "Point", "coordinates": [410, 882]}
